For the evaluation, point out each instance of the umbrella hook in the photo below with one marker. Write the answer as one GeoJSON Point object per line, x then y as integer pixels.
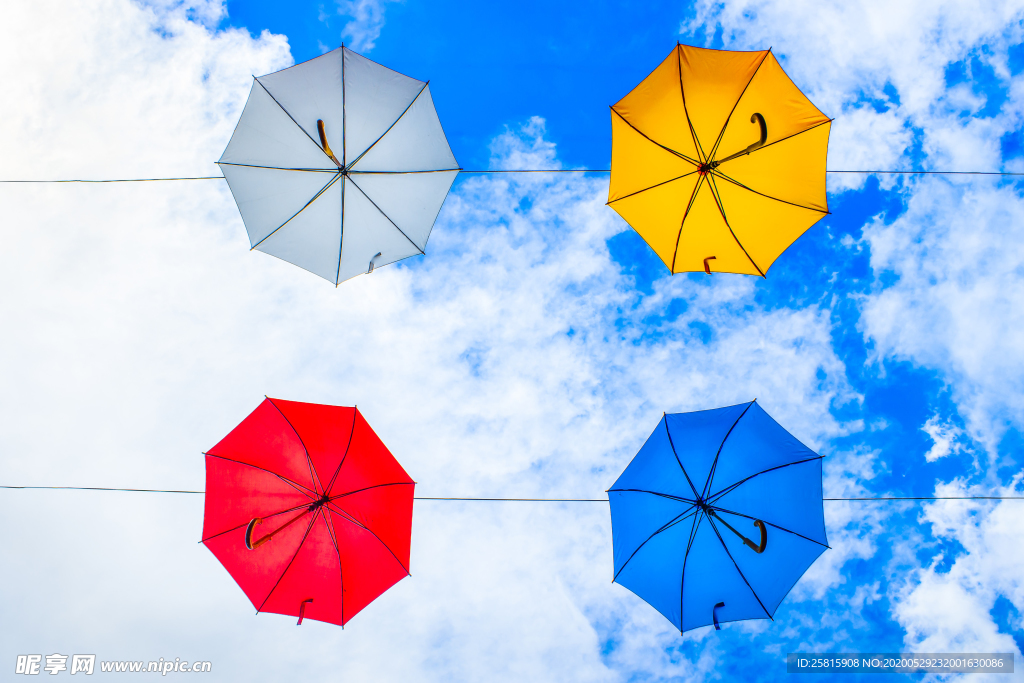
{"type": "Point", "coordinates": [302, 610]}
{"type": "Point", "coordinates": [714, 615]}
{"type": "Point", "coordinates": [327, 147]}
{"type": "Point", "coordinates": [756, 547]}
{"type": "Point", "coordinates": [759, 120]}
{"type": "Point", "coordinates": [251, 545]}
{"type": "Point", "coordinates": [707, 267]}
{"type": "Point", "coordinates": [372, 264]}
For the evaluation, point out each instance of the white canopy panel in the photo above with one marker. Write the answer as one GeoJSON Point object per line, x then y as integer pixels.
{"type": "Point", "coordinates": [312, 238]}
{"type": "Point", "coordinates": [415, 143]}
{"type": "Point", "coordinates": [375, 96]}
{"type": "Point", "coordinates": [410, 200]}
{"type": "Point", "coordinates": [313, 91]}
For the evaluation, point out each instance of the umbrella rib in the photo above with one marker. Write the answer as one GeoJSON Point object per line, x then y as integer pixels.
{"type": "Point", "coordinates": [291, 117]}
{"type": "Point", "coordinates": [350, 519]}
{"type": "Point", "coordinates": [290, 562]}
{"type": "Point", "coordinates": [714, 463]}
{"type": "Point", "coordinates": [665, 182]}
{"type": "Point", "coordinates": [721, 210]}
{"type": "Point", "coordinates": [732, 487]}
{"type": "Point", "coordinates": [652, 141]}
{"type": "Point", "coordinates": [309, 461]}
{"type": "Point", "coordinates": [721, 175]}
{"type": "Point", "coordinates": [686, 213]}
{"type": "Point", "coordinates": [682, 574]}
{"type": "Point", "coordinates": [294, 484]}
{"type": "Point", "coordinates": [771, 524]}
{"type": "Point", "coordinates": [736, 104]}
{"type": "Point", "coordinates": [341, 236]}
{"type": "Point", "coordinates": [279, 168]}
{"type": "Point", "coordinates": [670, 443]}
{"type": "Point", "coordinates": [433, 170]}
{"type": "Point", "coordinates": [686, 110]}
{"type": "Point", "coordinates": [726, 549]}
{"type": "Point", "coordinates": [244, 524]}
{"type": "Point", "coordinates": [351, 432]}
{"type": "Point", "coordinates": [315, 197]}
{"type": "Point", "coordinates": [369, 488]}
{"type": "Point", "coordinates": [344, 126]}
{"type": "Point", "coordinates": [681, 517]}
{"type": "Point", "coordinates": [653, 493]}
{"type": "Point", "coordinates": [409, 106]}
{"type": "Point", "coordinates": [341, 570]}
{"type": "Point", "coordinates": [386, 216]}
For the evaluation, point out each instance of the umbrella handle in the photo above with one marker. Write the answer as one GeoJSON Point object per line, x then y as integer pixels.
{"type": "Point", "coordinates": [302, 610]}
{"type": "Point", "coordinates": [707, 268]}
{"type": "Point", "coordinates": [714, 615]}
{"type": "Point", "coordinates": [759, 120]}
{"type": "Point", "coordinates": [372, 264]}
{"type": "Point", "coordinates": [248, 531]}
{"type": "Point", "coordinates": [327, 147]}
{"type": "Point", "coordinates": [259, 520]}
{"type": "Point", "coordinates": [764, 538]}
{"type": "Point", "coordinates": [757, 548]}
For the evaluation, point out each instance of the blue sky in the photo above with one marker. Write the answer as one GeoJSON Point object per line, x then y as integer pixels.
{"type": "Point", "coordinates": [529, 353]}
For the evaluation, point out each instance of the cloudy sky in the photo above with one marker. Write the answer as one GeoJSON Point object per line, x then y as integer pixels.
{"type": "Point", "coordinates": [529, 353]}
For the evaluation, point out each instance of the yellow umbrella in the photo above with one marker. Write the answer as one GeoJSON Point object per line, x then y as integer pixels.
{"type": "Point", "coordinates": [718, 161]}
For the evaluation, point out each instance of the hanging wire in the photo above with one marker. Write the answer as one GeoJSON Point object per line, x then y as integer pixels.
{"type": "Point", "coordinates": [516, 500]}
{"type": "Point", "coordinates": [519, 170]}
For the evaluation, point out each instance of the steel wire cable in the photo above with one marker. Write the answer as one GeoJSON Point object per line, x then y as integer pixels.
{"type": "Point", "coordinates": [498, 171]}
{"type": "Point", "coordinates": [517, 500]}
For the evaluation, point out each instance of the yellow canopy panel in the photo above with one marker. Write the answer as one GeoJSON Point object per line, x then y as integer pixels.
{"type": "Point", "coordinates": [718, 161]}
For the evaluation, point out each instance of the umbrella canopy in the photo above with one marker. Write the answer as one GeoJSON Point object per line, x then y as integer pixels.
{"type": "Point", "coordinates": [718, 161]}
{"type": "Point", "coordinates": [717, 516]}
{"type": "Point", "coordinates": [339, 165]}
{"type": "Point", "coordinates": [308, 511]}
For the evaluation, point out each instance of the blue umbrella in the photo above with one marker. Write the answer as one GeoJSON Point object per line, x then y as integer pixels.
{"type": "Point", "coordinates": [717, 516]}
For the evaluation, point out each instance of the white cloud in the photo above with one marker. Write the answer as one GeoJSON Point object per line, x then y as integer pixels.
{"type": "Point", "coordinates": [945, 437]}
{"type": "Point", "coordinates": [950, 611]}
{"type": "Point", "coordinates": [366, 20]}
{"type": "Point", "coordinates": [958, 302]}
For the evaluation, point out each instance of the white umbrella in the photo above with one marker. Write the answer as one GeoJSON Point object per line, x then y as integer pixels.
{"type": "Point", "coordinates": [339, 165]}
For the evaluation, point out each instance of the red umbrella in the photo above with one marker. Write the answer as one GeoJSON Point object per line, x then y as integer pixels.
{"type": "Point", "coordinates": [308, 510]}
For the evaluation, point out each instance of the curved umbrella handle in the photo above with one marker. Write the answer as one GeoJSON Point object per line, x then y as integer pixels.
{"type": "Point", "coordinates": [259, 520]}
{"type": "Point", "coordinates": [755, 117]}
{"type": "Point", "coordinates": [248, 532]}
{"type": "Point", "coordinates": [764, 537]}
{"type": "Point", "coordinates": [757, 548]}
{"type": "Point", "coordinates": [714, 615]}
{"type": "Point", "coordinates": [759, 120]}
{"type": "Point", "coordinates": [327, 147]}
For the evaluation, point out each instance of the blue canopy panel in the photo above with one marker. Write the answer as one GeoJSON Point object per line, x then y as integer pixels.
{"type": "Point", "coordinates": [698, 484]}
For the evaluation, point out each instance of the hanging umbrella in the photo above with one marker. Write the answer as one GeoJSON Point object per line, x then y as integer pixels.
{"type": "Point", "coordinates": [339, 165]}
{"type": "Point", "coordinates": [718, 161]}
{"type": "Point", "coordinates": [717, 516]}
{"type": "Point", "coordinates": [308, 511]}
